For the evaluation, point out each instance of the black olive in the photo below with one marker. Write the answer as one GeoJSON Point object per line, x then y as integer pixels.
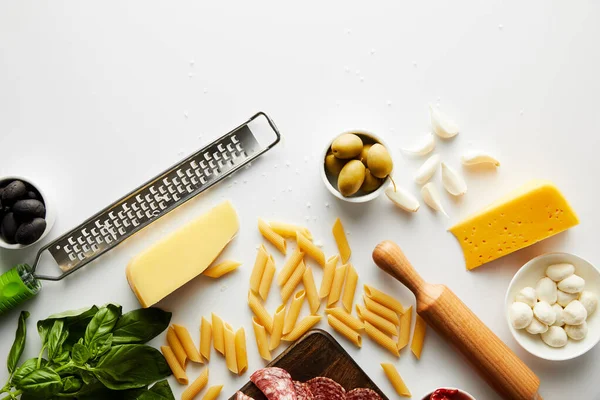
{"type": "Point", "coordinates": [9, 228]}
{"type": "Point", "coordinates": [28, 209]}
{"type": "Point", "coordinates": [31, 195]}
{"type": "Point", "coordinates": [29, 232]}
{"type": "Point", "coordinates": [13, 192]}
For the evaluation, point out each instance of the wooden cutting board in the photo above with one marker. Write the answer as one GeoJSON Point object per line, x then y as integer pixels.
{"type": "Point", "coordinates": [317, 353]}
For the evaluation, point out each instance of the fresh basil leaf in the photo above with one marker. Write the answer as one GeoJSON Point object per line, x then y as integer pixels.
{"type": "Point", "coordinates": [62, 358]}
{"type": "Point", "coordinates": [160, 391]}
{"type": "Point", "coordinates": [19, 344]}
{"type": "Point", "coordinates": [55, 339]}
{"type": "Point", "coordinates": [140, 326]}
{"type": "Point", "coordinates": [25, 369]}
{"type": "Point", "coordinates": [163, 389]}
{"type": "Point", "coordinates": [100, 345]}
{"type": "Point", "coordinates": [71, 384]}
{"type": "Point", "coordinates": [75, 320]}
{"type": "Point", "coordinates": [41, 382]}
{"type": "Point", "coordinates": [103, 323]}
{"type": "Point", "coordinates": [131, 366]}
{"type": "Point", "coordinates": [88, 378]}
{"type": "Point", "coordinates": [80, 354]}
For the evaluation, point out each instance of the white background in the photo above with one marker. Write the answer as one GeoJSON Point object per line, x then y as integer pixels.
{"type": "Point", "coordinates": [94, 98]}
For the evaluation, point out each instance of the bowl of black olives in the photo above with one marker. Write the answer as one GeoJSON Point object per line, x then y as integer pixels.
{"type": "Point", "coordinates": [24, 214]}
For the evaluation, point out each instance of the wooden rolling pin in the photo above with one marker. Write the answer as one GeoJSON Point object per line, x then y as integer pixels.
{"type": "Point", "coordinates": [453, 320]}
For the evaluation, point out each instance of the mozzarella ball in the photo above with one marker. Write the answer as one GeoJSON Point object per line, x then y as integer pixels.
{"type": "Point", "coordinates": [536, 327]}
{"type": "Point", "coordinates": [544, 312]}
{"type": "Point", "coordinates": [589, 301]}
{"type": "Point", "coordinates": [527, 296]}
{"type": "Point", "coordinates": [564, 298]}
{"type": "Point", "coordinates": [574, 313]}
{"type": "Point", "coordinates": [558, 311]}
{"type": "Point", "coordinates": [555, 336]}
{"type": "Point", "coordinates": [572, 284]}
{"type": "Point", "coordinates": [545, 290]}
{"type": "Point", "coordinates": [520, 315]}
{"type": "Point", "coordinates": [558, 272]}
{"type": "Point", "coordinates": [577, 332]}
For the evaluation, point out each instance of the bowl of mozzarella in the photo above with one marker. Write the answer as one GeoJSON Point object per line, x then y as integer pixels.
{"type": "Point", "coordinates": [551, 306]}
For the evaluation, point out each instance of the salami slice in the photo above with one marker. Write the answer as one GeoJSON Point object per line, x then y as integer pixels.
{"type": "Point", "coordinates": [302, 391]}
{"type": "Point", "coordinates": [242, 396]}
{"type": "Point", "coordinates": [326, 389]}
{"type": "Point", "coordinates": [362, 394]}
{"type": "Point", "coordinates": [275, 383]}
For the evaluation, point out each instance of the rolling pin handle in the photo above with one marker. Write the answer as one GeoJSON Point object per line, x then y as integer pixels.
{"type": "Point", "coordinates": [389, 257]}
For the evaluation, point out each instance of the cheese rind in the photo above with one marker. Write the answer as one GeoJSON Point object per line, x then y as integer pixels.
{"type": "Point", "coordinates": [181, 256]}
{"type": "Point", "coordinates": [526, 216]}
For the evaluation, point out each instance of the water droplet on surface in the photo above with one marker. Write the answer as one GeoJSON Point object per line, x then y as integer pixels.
{"type": "Point", "coordinates": [205, 90]}
{"type": "Point", "coordinates": [357, 72]}
{"type": "Point", "coordinates": [362, 78]}
{"type": "Point", "coordinates": [307, 218]}
{"type": "Point", "coordinates": [348, 31]}
{"type": "Point", "coordinates": [305, 159]}
{"type": "Point", "coordinates": [275, 166]}
{"type": "Point", "coordinates": [297, 171]}
{"type": "Point", "coordinates": [245, 180]}
{"type": "Point", "coordinates": [315, 218]}
{"type": "Point", "coordinates": [318, 243]}
{"type": "Point", "coordinates": [372, 51]}
{"type": "Point", "coordinates": [190, 75]}
{"type": "Point", "coordinates": [223, 288]}
{"type": "Point", "coordinates": [235, 182]}
{"type": "Point", "coordinates": [192, 62]}
{"type": "Point", "coordinates": [185, 114]}
{"type": "Point", "coordinates": [347, 69]}
{"type": "Point", "coordinates": [389, 103]}
{"type": "Point", "coordinates": [289, 189]}
{"type": "Point", "coordinates": [349, 233]}
{"type": "Point", "coordinates": [308, 205]}
{"type": "Point", "coordinates": [263, 174]}
{"type": "Point", "coordinates": [415, 64]}
{"type": "Point", "coordinates": [500, 26]}
{"type": "Point", "coordinates": [273, 199]}
{"type": "Point", "coordinates": [327, 205]}
{"type": "Point", "coordinates": [288, 163]}
{"type": "Point", "coordinates": [521, 112]}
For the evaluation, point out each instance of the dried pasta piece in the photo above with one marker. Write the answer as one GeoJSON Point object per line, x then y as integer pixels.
{"type": "Point", "coordinates": [240, 351]}
{"type": "Point", "coordinates": [381, 339]}
{"type": "Point", "coordinates": [188, 344]}
{"type": "Point", "coordinates": [384, 299]}
{"type": "Point", "coordinates": [381, 310]}
{"type": "Point", "coordinates": [276, 240]}
{"type": "Point", "coordinates": [336, 286]}
{"type": "Point", "coordinates": [302, 327]}
{"type": "Point", "coordinates": [311, 291]}
{"type": "Point", "coordinates": [416, 346]}
{"type": "Point", "coordinates": [267, 278]}
{"type": "Point", "coordinates": [289, 230]}
{"type": "Point", "coordinates": [404, 335]}
{"type": "Point", "coordinates": [292, 283]}
{"type": "Point", "coordinates": [262, 343]}
{"type": "Point", "coordinates": [310, 249]}
{"type": "Point", "coordinates": [278, 321]}
{"type": "Point", "coordinates": [290, 266]}
{"type": "Point", "coordinates": [349, 288]}
{"type": "Point", "coordinates": [196, 386]}
{"type": "Point", "coordinates": [395, 379]}
{"type": "Point", "coordinates": [221, 269]}
{"type": "Point", "coordinates": [260, 311]}
{"type": "Point", "coordinates": [345, 330]}
{"type": "Point", "coordinates": [346, 318]}
{"type": "Point", "coordinates": [177, 347]}
{"type": "Point", "coordinates": [259, 267]}
{"type": "Point", "coordinates": [217, 333]}
{"type": "Point", "coordinates": [205, 338]}
{"type": "Point", "coordinates": [176, 368]}
{"type": "Point", "coordinates": [328, 272]}
{"type": "Point", "coordinates": [341, 240]}
{"type": "Point", "coordinates": [294, 311]}
{"type": "Point", "coordinates": [230, 357]}
{"type": "Point", "coordinates": [381, 323]}
{"type": "Point", "coordinates": [213, 392]}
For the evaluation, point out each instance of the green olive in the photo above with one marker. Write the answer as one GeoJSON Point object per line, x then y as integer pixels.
{"type": "Point", "coordinates": [364, 152]}
{"type": "Point", "coordinates": [351, 177]}
{"type": "Point", "coordinates": [379, 161]}
{"type": "Point", "coordinates": [333, 165]}
{"type": "Point", "coordinates": [370, 183]}
{"type": "Point", "coordinates": [346, 146]}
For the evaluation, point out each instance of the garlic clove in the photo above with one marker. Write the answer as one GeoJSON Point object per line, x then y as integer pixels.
{"type": "Point", "coordinates": [402, 199]}
{"type": "Point", "coordinates": [474, 157]}
{"type": "Point", "coordinates": [426, 171]}
{"type": "Point", "coordinates": [453, 182]}
{"type": "Point", "coordinates": [432, 198]}
{"type": "Point", "coordinates": [421, 147]}
{"type": "Point", "coordinates": [441, 125]}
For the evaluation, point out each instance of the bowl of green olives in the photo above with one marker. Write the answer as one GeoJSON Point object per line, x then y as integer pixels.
{"type": "Point", "coordinates": [25, 217]}
{"type": "Point", "coordinates": [356, 166]}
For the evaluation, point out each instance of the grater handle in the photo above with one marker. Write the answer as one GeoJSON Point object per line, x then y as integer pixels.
{"type": "Point", "coordinates": [16, 286]}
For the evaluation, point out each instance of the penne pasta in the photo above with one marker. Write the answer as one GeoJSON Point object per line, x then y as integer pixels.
{"type": "Point", "coordinates": [289, 266]}
{"type": "Point", "coordinates": [381, 339]}
{"type": "Point", "coordinates": [278, 321]}
{"type": "Point", "coordinates": [302, 327]}
{"type": "Point", "coordinates": [345, 330]}
{"type": "Point", "coordinates": [404, 334]}
{"type": "Point", "coordinates": [349, 288]}
{"type": "Point", "coordinates": [328, 273]}
{"type": "Point", "coordinates": [416, 346]}
{"type": "Point", "coordinates": [346, 318]}
{"type": "Point", "coordinates": [336, 286]}
{"type": "Point", "coordinates": [267, 278]}
{"type": "Point", "coordinates": [310, 249]}
{"type": "Point", "coordinates": [259, 267]}
{"type": "Point", "coordinates": [260, 335]}
{"type": "Point", "coordinates": [381, 310]}
{"type": "Point", "coordinates": [260, 312]}
{"type": "Point", "coordinates": [176, 368]}
{"type": "Point", "coordinates": [240, 351]}
{"type": "Point", "coordinates": [176, 346]}
{"type": "Point", "coordinates": [292, 283]}
{"type": "Point", "coordinates": [381, 323]}
{"type": "Point", "coordinates": [384, 299]}
{"type": "Point", "coordinates": [217, 334]}
{"type": "Point", "coordinates": [289, 230]}
{"type": "Point", "coordinates": [275, 239]}
{"type": "Point", "coordinates": [394, 377]}
{"type": "Point", "coordinates": [311, 291]}
{"type": "Point", "coordinates": [213, 392]}
{"type": "Point", "coordinates": [230, 357]}
{"type": "Point", "coordinates": [196, 386]}
{"type": "Point", "coordinates": [341, 240]}
{"type": "Point", "coordinates": [221, 269]}
{"type": "Point", "coordinates": [187, 343]}
{"type": "Point", "coordinates": [205, 338]}
{"type": "Point", "coordinates": [294, 311]}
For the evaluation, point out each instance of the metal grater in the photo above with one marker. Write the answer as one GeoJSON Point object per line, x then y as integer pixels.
{"type": "Point", "coordinates": [155, 198]}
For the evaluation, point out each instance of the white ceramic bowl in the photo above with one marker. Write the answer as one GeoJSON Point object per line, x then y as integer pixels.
{"type": "Point", "coordinates": [50, 216]}
{"type": "Point", "coordinates": [330, 182]}
{"type": "Point", "coordinates": [528, 275]}
{"type": "Point", "coordinates": [428, 395]}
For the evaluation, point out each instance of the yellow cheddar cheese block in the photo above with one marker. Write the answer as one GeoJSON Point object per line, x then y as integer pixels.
{"type": "Point", "coordinates": [181, 256]}
{"type": "Point", "coordinates": [531, 213]}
